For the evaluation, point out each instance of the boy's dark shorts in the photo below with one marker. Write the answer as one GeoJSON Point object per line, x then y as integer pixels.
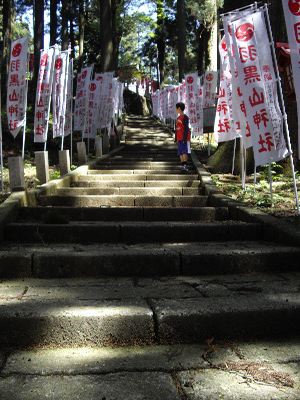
{"type": "Point", "coordinates": [182, 148]}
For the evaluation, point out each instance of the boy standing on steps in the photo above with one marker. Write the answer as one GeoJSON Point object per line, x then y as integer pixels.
{"type": "Point", "coordinates": [183, 135]}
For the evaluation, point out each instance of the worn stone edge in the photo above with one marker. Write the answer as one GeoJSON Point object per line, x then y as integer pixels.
{"type": "Point", "coordinates": [273, 228]}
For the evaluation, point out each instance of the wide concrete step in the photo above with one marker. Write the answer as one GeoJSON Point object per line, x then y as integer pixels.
{"type": "Point", "coordinates": [131, 232]}
{"type": "Point", "coordinates": [134, 183]}
{"type": "Point", "coordinates": [114, 164]}
{"type": "Point", "coordinates": [63, 261]}
{"type": "Point", "coordinates": [123, 200]}
{"type": "Point", "coordinates": [173, 171]}
{"type": "Point", "coordinates": [138, 177]}
{"type": "Point", "coordinates": [52, 215]}
{"type": "Point", "coordinates": [139, 191]}
{"type": "Point", "coordinates": [243, 370]}
{"type": "Point", "coordinates": [111, 312]}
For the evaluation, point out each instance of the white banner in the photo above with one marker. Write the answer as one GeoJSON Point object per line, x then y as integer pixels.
{"type": "Point", "coordinates": [43, 95]}
{"type": "Point", "coordinates": [69, 101]}
{"type": "Point", "coordinates": [193, 95]}
{"type": "Point", "coordinates": [59, 93]}
{"type": "Point", "coordinates": [255, 100]}
{"type": "Point", "coordinates": [81, 100]}
{"type": "Point", "coordinates": [209, 88]}
{"type": "Point", "coordinates": [224, 128]}
{"type": "Point", "coordinates": [17, 86]}
{"type": "Point", "coordinates": [92, 112]}
{"type": "Point", "coordinates": [292, 18]}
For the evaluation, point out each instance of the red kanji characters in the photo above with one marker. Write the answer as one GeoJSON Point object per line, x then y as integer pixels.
{"type": "Point", "coordinates": [15, 65]}
{"type": "Point", "coordinates": [257, 98]}
{"type": "Point", "coordinates": [248, 53]}
{"type": "Point", "coordinates": [14, 80]}
{"type": "Point", "coordinates": [222, 107]}
{"type": "Point", "coordinates": [224, 126]}
{"type": "Point", "coordinates": [261, 117]}
{"type": "Point", "coordinates": [297, 32]}
{"type": "Point", "coordinates": [243, 108]}
{"type": "Point", "coordinates": [251, 74]}
{"type": "Point", "coordinates": [40, 130]}
{"type": "Point", "coordinates": [265, 144]}
{"type": "Point", "coordinates": [13, 96]}
{"type": "Point", "coordinates": [13, 110]}
{"type": "Point", "coordinates": [13, 124]}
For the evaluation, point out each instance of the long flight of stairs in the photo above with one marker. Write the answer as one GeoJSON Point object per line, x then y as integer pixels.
{"type": "Point", "coordinates": [132, 254]}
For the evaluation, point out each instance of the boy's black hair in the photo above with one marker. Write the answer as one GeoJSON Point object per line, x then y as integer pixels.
{"type": "Point", "coordinates": [181, 106]}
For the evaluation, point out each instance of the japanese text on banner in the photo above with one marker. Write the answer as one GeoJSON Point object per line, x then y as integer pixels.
{"type": "Point", "coordinates": [16, 86]}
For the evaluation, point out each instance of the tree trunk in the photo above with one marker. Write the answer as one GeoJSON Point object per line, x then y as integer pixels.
{"type": "Point", "coordinates": [116, 31]}
{"type": "Point", "coordinates": [38, 30]}
{"type": "Point", "coordinates": [65, 11]}
{"type": "Point", "coordinates": [53, 22]}
{"type": "Point", "coordinates": [106, 34]}
{"type": "Point", "coordinates": [72, 33]}
{"type": "Point", "coordinates": [181, 26]}
{"type": "Point", "coordinates": [81, 33]}
{"type": "Point", "coordinates": [160, 39]}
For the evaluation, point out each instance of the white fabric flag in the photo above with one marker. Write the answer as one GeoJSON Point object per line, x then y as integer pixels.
{"type": "Point", "coordinates": [224, 129]}
{"type": "Point", "coordinates": [59, 93]}
{"type": "Point", "coordinates": [69, 101]}
{"type": "Point", "coordinates": [81, 100]}
{"type": "Point", "coordinates": [238, 115]}
{"type": "Point", "coordinates": [92, 111]}
{"type": "Point", "coordinates": [16, 86]}
{"type": "Point", "coordinates": [255, 99]}
{"type": "Point", "coordinates": [292, 19]}
{"type": "Point", "coordinates": [193, 102]}
{"type": "Point", "coordinates": [209, 88]}
{"type": "Point", "coordinates": [43, 95]}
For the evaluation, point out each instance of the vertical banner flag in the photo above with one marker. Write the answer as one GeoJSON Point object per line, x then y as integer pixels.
{"type": "Point", "coordinates": [69, 101]}
{"type": "Point", "coordinates": [192, 101]}
{"type": "Point", "coordinates": [81, 100]}
{"type": "Point", "coordinates": [43, 95]}
{"type": "Point", "coordinates": [59, 93]}
{"type": "Point", "coordinates": [225, 128]}
{"type": "Point", "coordinates": [93, 103]}
{"type": "Point", "coordinates": [255, 99]}
{"type": "Point", "coordinates": [239, 117]}
{"type": "Point", "coordinates": [209, 88]}
{"type": "Point", "coordinates": [16, 86]}
{"type": "Point", "coordinates": [292, 19]}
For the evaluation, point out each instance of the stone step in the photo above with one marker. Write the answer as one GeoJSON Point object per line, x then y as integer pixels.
{"type": "Point", "coordinates": [51, 214]}
{"type": "Point", "coordinates": [138, 177]}
{"type": "Point", "coordinates": [258, 370]}
{"type": "Point", "coordinates": [150, 259]}
{"type": "Point", "coordinates": [140, 191]}
{"type": "Point", "coordinates": [123, 200]}
{"type": "Point", "coordinates": [131, 232]}
{"type": "Point", "coordinates": [103, 171]}
{"type": "Point", "coordinates": [120, 312]}
{"type": "Point", "coordinates": [137, 164]}
{"type": "Point", "coordinates": [153, 184]}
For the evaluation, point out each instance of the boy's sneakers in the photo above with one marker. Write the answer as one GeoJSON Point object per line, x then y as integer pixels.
{"type": "Point", "coordinates": [184, 168]}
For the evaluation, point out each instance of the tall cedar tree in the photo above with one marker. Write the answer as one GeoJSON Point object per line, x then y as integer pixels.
{"type": "Point", "coordinates": [181, 34]}
{"type": "Point", "coordinates": [160, 39]}
{"type": "Point", "coordinates": [53, 22]}
{"type": "Point", "coordinates": [65, 13]}
{"type": "Point", "coordinates": [106, 33]}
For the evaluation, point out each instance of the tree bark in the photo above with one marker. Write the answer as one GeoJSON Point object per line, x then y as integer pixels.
{"type": "Point", "coordinates": [72, 33]}
{"type": "Point", "coordinates": [65, 11]}
{"type": "Point", "coordinates": [106, 34]}
{"type": "Point", "coordinates": [160, 39]}
{"type": "Point", "coordinates": [81, 33]}
{"type": "Point", "coordinates": [38, 29]}
{"type": "Point", "coordinates": [53, 22]}
{"type": "Point", "coordinates": [181, 33]}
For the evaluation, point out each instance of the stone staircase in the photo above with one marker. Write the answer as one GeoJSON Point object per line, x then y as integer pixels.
{"type": "Point", "coordinates": [132, 254]}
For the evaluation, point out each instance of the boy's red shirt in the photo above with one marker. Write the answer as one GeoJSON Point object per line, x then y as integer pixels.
{"type": "Point", "coordinates": [182, 123]}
